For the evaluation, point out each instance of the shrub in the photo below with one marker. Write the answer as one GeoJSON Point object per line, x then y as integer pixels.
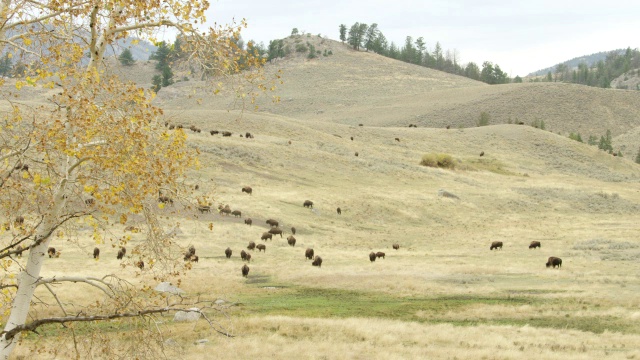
{"type": "Point", "coordinates": [438, 160]}
{"type": "Point", "coordinates": [575, 137]}
{"type": "Point", "coordinates": [638, 157]}
{"type": "Point", "coordinates": [484, 119]}
{"type": "Point", "coordinates": [126, 58]}
{"type": "Point", "coordinates": [301, 48]}
{"type": "Point", "coordinates": [312, 51]}
{"type": "Point", "coordinates": [294, 32]}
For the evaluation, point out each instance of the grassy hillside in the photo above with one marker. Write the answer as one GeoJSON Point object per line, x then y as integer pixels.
{"type": "Point", "coordinates": [443, 294]}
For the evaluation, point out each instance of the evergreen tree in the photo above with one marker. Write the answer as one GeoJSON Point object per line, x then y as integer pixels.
{"type": "Point", "coordinates": [294, 32]}
{"type": "Point", "coordinates": [6, 66]}
{"type": "Point", "coordinates": [371, 36]}
{"type": "Point", "coordinates": [593, 140]}
{"type": "Point", "coordinates": [638, 157]}
{"type": "Point", "coordinates": [126, 58]}
{"type": "Point", "coordinates": [161, 55]}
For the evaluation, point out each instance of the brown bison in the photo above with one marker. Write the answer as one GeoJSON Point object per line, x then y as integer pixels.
{"type": "Point", "coordinates": [554, 262]}
{"type": "Point", "coordinates": [121, 253]}
{"type": "Point", "coordinates": [52, 252]}
{"type": "Point", "coordinates": [276, 231]}
{"type": "Point", "coordinates": [90, 202]}
{"type": "Point", "coordinates": [266, 236]}
{"type": "Point", "coordinates": [534, 244]}
{"type": "Point", "coordinates": [339, 211]}
{"type": "Point", "coordinates": [245, 270]}
{"type": "Point", "coordinates": [165, 200]}
{"type": "Point", "coordinates": [372, 256]}
{"type": "Point", "coordinates": [396, 246]}
{"type": "Point", "coordinates": [308, 253]}
{"type": "Point", "coordinates": [96, 253]}
{"type": "Point", "coordinates": [308, 204]}
{"type": "Point", "coordinates": [252, 245]}
{"type": "Point", "coordinates": [140, 264]}
{"type": "Point", "coordinates": [247, 189]}
{"type": "Point", "coordinates": [248, 257]}
{"type": "Point", "coordinates": [380, 254]}
{"type": "Point", "coordinates": [262, 247]}
{"type": "Point", "coordinates": [481, 153]}
{"type": "Point", "coordinates": [398, 139]}
{"type": "Point", "coordinates": [291, 240]}
{"type": "Point", "coordinates": [194, 258]}
{"type": "Point", "coordinates": [171, 127]}
{"type": "Point", "coordinates": [248, 135]}
{"type": "Point", "coordinates": [317, 261]}
{"type": "Point", "coordinates": [293, 230]}
{"type": "Point", "coordinates": [236, 213]}
{"type": "Point", "coordinates": [228, 252]}
{"type": "Point", "coordinates": [213, 132]}
{"type": "Point", "coordinates": [225, 210]}
{"type": "Point", "coordinates": [248, 221]}
{"type": "Point", "coordinates": [19, 251]}
{"type": "Point", "coordinates": [243, 255]}
{"type": "Point", "coordinates": [204, 208]}
{"type": "Point", "coordinates": [496, 245]}
{"type": "Point", "coordinates": [352, 138]}
{"type": "Point", "coordinates": [356, 153]}
{"type": "Point", "coordinates": [19, 220]}
{"type": "Point", "coordinates": [272, 223]}
{"type": "Point", "coordinates": [226, 134]}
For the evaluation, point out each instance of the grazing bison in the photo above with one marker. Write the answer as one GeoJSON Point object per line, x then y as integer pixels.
{"type": "Point", "coordinates": [225, 210]}
{"type": "Point", "coordinates": [140, 264]}
{"type": "Point", "coordinates": [396, 246]}
{"type": "Point", "coordinates": [243, 255]}
{"type": "Point", "coordinates": [339, 211]}
{"type": "Point", "coordinates": [482, 153]}
{"type": "Point", "coordinates": [496, 245]}
{"type": "Point", "coordinates": [398, 139]}
{"type": "Point", "coordinates": [291, 240]}
{"type": "Point", "coordinates": [262, 247]}
{"type": "Point", "coordinates": [227, 253]}
{"type": "Point", "coordinates": [204, 208]}
{"type": "Point", "coordinates": [308, 204]}
{"type": "Point", "coordinates": [293, 230]}
{"type": "Point", "coordinates": [380, 254]}
{"type": "Point", "coordinates": [191, 252]}
{"type": "Point", "coordinates": [121, 253]}
{"type": "Point", "coordinates": [272, 223]}
{"type": "Point", "coordinates": [276, 231]}
{"type": "Point", "coordinates": [248, 257]}
{"type": "Point", "coordinates": [554, 262]}
{"type": "Point", "coordinates": [308, 253]}
{"type": "Point", "coordinates": [171, 127]}
{"type": "Point", "coordinates": [534, 244]}
{"type": "Point", "coordinates": [226, 134]}
{"type": "Point", "coordinates": [194, 258]}
{"type": "Point", "coordinates": [165, 199]}
{"type": "Point", "coordinates": [19, 251]}
{"type": "Point", "coordinates": [52, 252]}
{"type": "Point", "coordinates": [19, 220]}
{"type": "Point", "coordinates": [317, 261]}
{"type": "Point", "coordinates": [360, 125]}
{"type": "Point", "coordinates": [236, 213]}
{"type": "Point", "coordinates": [356, 153]}
{"type": "Point", "coordinates": [252, 245]}
{"type": "Point", "coordinates": [372, 256]}
{"type": "Point", "coordinates": [96, 253]}
{"type": "Point", "coordinates": [247, 189]}
{"type": "Point", "coordinates": [179, 126]}
{"type": "Point", "coordinates": [352, 138]}
{"type": "Point", "coordinates": [248, 221]}
{"type": "Point", "coordinates": [213, 132]}
{"type": "Point", "coordinates": [245, 270]}
{"type": "Point", "coordinates": [248, 136]}
{"type": "Point", "coordinates": [266, 236]}
{"type": "Point", "coordinates": [90, 202]}
{"type": "Point", "coordinates": [448, 127]}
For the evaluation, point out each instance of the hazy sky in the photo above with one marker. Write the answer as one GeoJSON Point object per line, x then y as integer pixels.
{"type": "Point", "coordinates": [521, 36]}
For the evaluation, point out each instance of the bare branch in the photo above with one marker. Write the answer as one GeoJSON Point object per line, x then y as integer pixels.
{"type": "Point", "coordinates": [75, 279]}
{"type": "Point", "coordinates": [55, 296]}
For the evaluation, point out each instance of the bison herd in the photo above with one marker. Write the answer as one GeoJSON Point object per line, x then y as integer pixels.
{"type": "Point", "coordinates": [197, 130]}
{"type": "Point", "coordinates": [553, 262]}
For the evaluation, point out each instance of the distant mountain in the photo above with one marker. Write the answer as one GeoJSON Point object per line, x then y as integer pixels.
{"type": "Point", "coordinates": [590, 60]}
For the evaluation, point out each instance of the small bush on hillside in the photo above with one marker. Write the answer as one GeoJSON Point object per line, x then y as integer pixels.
{"type": "Point", "coordinates": [444, 161]}
{"type": "Point", "coordinates": [575, 137]}
{"type": "Point", "coordinates": [484, 119]}
{"type": "Point", "coordinates": [593, 140]}
{"type": "Point", "coordinates": [301, 48]}
{"type": "Point", "coordinates": [539, 124]}
{"type": "Point", "coordinates": [312, 51]}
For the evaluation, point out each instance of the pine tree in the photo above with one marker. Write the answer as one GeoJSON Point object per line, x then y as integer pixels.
{"type": "Point", "coordinates": [343, 32]}
{"type": "Point", "coordinates": [126, 58]}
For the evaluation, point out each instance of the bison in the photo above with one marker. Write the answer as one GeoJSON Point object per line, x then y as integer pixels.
{"type": "Point", "coordinates": [213, 132]}
{"type": "Point", "coordinates": [204, 208]}
{"type": "Point", "coordinates": [356, 153]}
{"type": "Point", "coordinates": [554, 262]}
{"type": "Point", "coordinates": [90, 202]}
{"type": "Point", "coordinates": [171, 127]}
{"type": "Point", "coordinates": [140, 264]}
{"type": "Point", "coordinates": [225, 210]}
{"type": "Point", "coordinates": [496, 245]}
{"type": "Point", "coordinates": [243, 255]}
{"type": "Point", "coordinates": [481, 153]}
{"type": "Point", "coordinates": [248, 257]}
{"type": "Point", "coordinates": [534, 244]}
{"type": "Point", "coordinates": [165, 200]}
{"type": "Point", "coordinates": [396, 246]}
{"type": "Point", "coordinates": [308, 253]}
{"type": "Point", "coordinates": [19, 251]}
{"type": "Point", "coordinates": [247, 189]}
{"type": "Point", "coordinates": [245, 270]}
{"type": "Point", "coordinates": [226, 134]}
{"type": "Point", "coordinates": [236, 213]}
{"type": "Point", "coordinates": [276, 231]}
{"type": "Point", "coordinates": [293, 230]}
{"type": "Point", "coordinates": [252, 245]}
{"type": "Point", "coordinates": [266, 236]}
{"type": "Point", "coordinates": [121, 253]}
{"type": "Point", "coordinates": [352, 138]}
{"type": "Point", "coordinates": [262, 247]}
{"type": "Point", "coordinates": [248, 221]}
{"type": "Point", "coordinates": [380, 254]}
{"type": "Point", "coordinates": [194, 258]}
{"type": "Point", "coordinates": [272, 223]}
{"type": "Point", "coordinates": [19, 220]}
{"type": "Point", "coordinates": [291, 240]}
{"type": "Point", "coordinates": [52, 252]}
{"type": "Point", "coordinates": [96, 253]}
{"type": "Point", "coordinates": [227, 253]}
{"type": "Point", "coordinates": [339, 211]}
{"type": "Point", "coordinates": [308, 204]}
{"type": "Point", "coordinates": [372, 256]}
{"type": "Point", "coordinates": [398, 139]}
{"type": "Point", "coordinates": [248, 135]}
{"type": "Point", "coordinates": [317, 261]}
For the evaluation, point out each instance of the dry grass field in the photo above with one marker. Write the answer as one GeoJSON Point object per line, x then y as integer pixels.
{"type": "Point", "coordinates": [443, 294]}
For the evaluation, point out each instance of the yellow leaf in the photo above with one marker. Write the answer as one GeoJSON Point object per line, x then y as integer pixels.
{"type": "Point", "coordinates": [161, 205]}
{"type": "Point", "coordinates": [27, 41]}
{"type": "Point", "coordinates": [210, 226]}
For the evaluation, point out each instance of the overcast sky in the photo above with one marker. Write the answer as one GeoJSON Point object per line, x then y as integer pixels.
{"type": "Point", "coordinates": [521, 36]}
